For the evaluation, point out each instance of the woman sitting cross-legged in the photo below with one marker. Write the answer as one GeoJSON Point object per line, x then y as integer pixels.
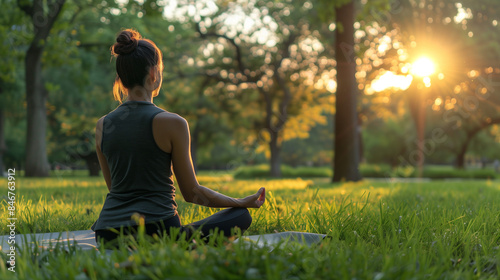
{"type": "Point", "coordinates": [138, 144]}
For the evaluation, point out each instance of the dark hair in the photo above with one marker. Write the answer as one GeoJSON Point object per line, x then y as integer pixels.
{"type": "Point", "coordinates": [134, 58]}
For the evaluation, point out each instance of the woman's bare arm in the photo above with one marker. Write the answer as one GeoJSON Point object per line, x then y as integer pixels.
{"type": "Point", "coordinates": [102, 160]}
{"type": "Point", "coordinates": [182, 163]}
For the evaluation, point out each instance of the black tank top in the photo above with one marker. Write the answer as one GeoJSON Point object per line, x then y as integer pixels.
{"type": "Point", "coordinates": [141, 175]}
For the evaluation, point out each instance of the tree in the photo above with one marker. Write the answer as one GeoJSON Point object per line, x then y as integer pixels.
{"type": "Point", "coordinates": [267, 68]}
{"type": "Point", "coordinates": [464, 93]}
{"type": "Point", "coordinates": [347, 147]}
{"type": "Point", "coordinates": [43, 19]}
{"type": "Point", "coordinates": [346, 161]}
{"type": "Point", "coordinates": [472, 109]}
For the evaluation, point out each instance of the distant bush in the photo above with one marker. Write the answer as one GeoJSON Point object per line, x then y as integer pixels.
{"type": "Point", "coordinates": [375, 171]}
{"type": "Point", "coordinates": [262, 171]}
{"type": "Point", "coordinates": [434, 173]}
{"type": "Point", "coordinates": [307, 172]}
{"type": "Point", "coordinates": [367, 171]}
{"type": "Point", "coordinates": [250, 172]}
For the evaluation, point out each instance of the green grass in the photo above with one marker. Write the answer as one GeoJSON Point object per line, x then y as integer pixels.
{"type": "Point", "coordinates": [378, 230]}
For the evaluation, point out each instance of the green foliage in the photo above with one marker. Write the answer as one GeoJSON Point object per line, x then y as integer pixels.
{"type": "Point", "coordinates": [315, 150]}
{"type": "Point", "coordinates": [385, 141]}
{"type": "Point", "coordinates": [326, 9]}
{"type": "Point", "coordinates": [447, 172]}
{"type": "Point", "coordinates": [369, 171]}
{"type": "Point", "coordinates": [78, 76]}
{"type": "Point", "coordinates": [375, 170]}
{"type": "Point", "coordinates": [485, 145]}
{"type": "Point", "coordinates": [249, 172]}
{"type": "Point", "coordinates": [262, 171]}
{"type": "Point", "coordinates": [225, 156]}
{"type": "Point", "coordinates": [257, 79]}
{"type": "Point", "coordinates": [77, 100]}
{"type": "Point", "coordinates": [13, 43]}
{"type": "Point", "coordinates": [15, 143]}
{"type": "Point", "coordinates": [431, 172]}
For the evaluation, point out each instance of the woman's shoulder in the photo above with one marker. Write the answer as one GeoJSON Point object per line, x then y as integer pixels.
{"type": "Point", "coordinates": [166, 121]}
{"type": "Point", "coordinates": [100, 121]}
{"type": "Point", "coordinates": [170, 118]}
{"type": "Point", "coordinates": [167, 127]}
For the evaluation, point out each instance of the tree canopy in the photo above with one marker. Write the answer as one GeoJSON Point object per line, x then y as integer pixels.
{"type": "Point", "coordinates": [259, 81]}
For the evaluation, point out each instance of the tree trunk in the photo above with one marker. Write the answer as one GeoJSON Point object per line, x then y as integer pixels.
{"type": "Point", "coordinates": [361, 152]}
{"type": "Point", "coordinates": [36, 155]}
{"type": "Point", "coordinates": [274, 129]}
{"type": "Point", "coordinates": [346, 159]}
{"type": "Point", "coordinates": [275, 150]}
{"type": "Point", "coordinates": [463, 150]}
{"type": "Point", "coordinates": [92, 163]}
{"type": "Point", "coordinates": [461, 160]}
{"type": "Point", "coordinates": [421, 133]}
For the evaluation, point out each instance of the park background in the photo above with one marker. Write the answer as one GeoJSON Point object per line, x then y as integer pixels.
{"type": "Point", "coordinates": [320, 93]}
{"type": "Point", "coordinates": [257, 81]}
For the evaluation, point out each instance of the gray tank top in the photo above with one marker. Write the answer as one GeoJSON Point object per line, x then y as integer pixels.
{"type": "Point", "coordinates": [141, 174]}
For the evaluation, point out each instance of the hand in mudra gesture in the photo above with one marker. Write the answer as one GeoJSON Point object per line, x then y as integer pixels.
{"type": "Point", "coordinates": [255, 200]}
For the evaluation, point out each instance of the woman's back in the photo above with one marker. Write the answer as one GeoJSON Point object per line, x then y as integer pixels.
{"type": "Point", "coordinates": [135, 160]}
{"type": "Point", "coordinates": [141, 177]}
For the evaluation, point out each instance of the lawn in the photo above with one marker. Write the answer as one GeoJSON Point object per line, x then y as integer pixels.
{"type": "Point", "coordinates": [377, 230]}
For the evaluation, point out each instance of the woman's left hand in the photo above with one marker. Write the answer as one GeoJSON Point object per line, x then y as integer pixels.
{"type": "Point", "coordinates": [254, 200]}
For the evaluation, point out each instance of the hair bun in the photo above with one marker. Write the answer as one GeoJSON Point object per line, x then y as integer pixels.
{"type": "Point", "coordinates": [126, 42]}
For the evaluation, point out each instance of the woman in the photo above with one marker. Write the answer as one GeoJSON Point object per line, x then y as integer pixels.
{"type": "Point", "coordinates": [138, 143]}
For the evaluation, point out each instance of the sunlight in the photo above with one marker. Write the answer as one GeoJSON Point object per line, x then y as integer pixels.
{"type": "Point", "coordinates": [462, 13]}
{"type": "Point", "coordinates": [423, 67]}
{"type": "Point", "coordinates": [391, 80]}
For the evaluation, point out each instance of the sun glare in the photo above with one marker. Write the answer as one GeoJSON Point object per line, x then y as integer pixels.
{"type": "Point", "coordinates": [390, 80]}
{"type": "Point", "coordinates": [423, 67]}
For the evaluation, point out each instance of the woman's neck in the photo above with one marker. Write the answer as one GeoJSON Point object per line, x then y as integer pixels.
{"type": "Point", "coordinates": [139, 93]}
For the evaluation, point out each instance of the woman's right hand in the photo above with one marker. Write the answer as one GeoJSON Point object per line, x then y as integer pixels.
{"type": "Point", "coordinates": [254, 200]}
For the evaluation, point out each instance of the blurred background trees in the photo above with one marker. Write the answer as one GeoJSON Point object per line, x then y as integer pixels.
{"type": "Point", "coordinates": [260, 81]}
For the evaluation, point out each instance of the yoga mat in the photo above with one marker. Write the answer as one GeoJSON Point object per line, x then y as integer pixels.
{"type": "Point", "coordinates": [272, 239]}
{"type": "Point", "coordinates": [85, 239]}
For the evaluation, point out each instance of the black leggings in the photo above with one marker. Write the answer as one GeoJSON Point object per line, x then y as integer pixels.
{"type": "Point", "coordinates": [225, 220]}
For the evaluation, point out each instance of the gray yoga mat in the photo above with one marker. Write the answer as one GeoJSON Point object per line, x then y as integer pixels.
{"type": "Point", "coordinates": [272, 239]}
{"type": "Point", "coordinates": [85, 239]}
